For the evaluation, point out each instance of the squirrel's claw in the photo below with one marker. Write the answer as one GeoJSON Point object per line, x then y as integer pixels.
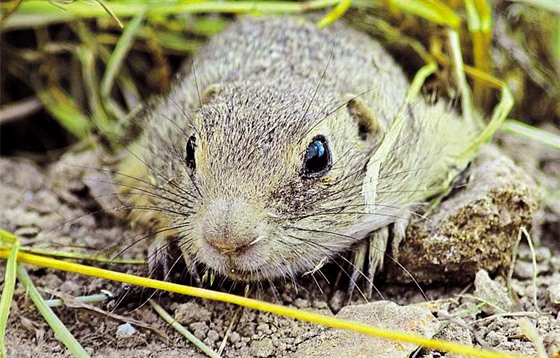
{"type": "Point", "coordinates": [374, 249]}
{"type": "Point", "coordinates": [357, 263]}
{"type": "Point", "coordinates": [399, 231]}
{"type": "Point", "coordinates": [378, 242]}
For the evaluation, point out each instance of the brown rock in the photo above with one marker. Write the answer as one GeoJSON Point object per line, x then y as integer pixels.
{"type": "Point", "coordinates": [385, 314]}
{"type": "Point", "coordinates": [474, 228]}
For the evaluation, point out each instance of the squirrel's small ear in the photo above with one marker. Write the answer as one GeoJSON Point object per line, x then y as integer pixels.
{"type": "Point", "coordinates": [209, 93]}
{"type": "Point", "coordinates": [368, 124]}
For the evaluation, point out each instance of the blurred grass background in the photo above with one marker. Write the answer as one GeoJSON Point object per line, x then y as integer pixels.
{"type": "Point", "coordinates": [72, 72]}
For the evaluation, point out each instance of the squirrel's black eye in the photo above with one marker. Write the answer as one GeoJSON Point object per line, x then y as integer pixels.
{"type": "Point", "coordinates": [317, 158]}
{"type": "Point", "coordinates": [189, 157]}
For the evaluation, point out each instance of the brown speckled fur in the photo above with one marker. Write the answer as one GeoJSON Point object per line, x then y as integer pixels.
{"type": "Point", "coordinates": [260, 92]}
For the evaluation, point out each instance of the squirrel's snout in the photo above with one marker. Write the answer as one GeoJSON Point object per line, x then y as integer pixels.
{"type": "Point", "coordinates": [230, 226]}
{"type": "Point", "coordinates": [226, 247]}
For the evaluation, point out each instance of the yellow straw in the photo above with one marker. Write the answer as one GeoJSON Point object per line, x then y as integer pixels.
{"type": "Point", "coordinates": [416, 339]}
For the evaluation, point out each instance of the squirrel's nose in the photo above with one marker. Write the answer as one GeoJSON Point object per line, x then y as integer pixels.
{"type": "Point", "coordinates": [230, 226]}
{"type": "Point", "coordinates": [228, 246]}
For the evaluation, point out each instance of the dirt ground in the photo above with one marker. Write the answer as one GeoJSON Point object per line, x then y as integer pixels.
{"type": "Point", "coordinates": [48, 208]}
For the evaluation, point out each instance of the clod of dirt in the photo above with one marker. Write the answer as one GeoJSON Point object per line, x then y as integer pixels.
{"type": "Point", "coordinates": [474, 228]}
{"type": "Point", "coordinates": [553, 293]}
{"type": "Point", "coordinates": [190, 312]}
{"type": "Point", "coordinates": [24, 198]}
{"type": "Point", "coordinates": [492, 292]}
{"type": "Point", "coordinates": [503, 333]}
{"type": "Point", "coordinates": [386, 314]}
{"type": "Point", "coordinates": [543, 162]}
{"type": "Point", "coordinates": [552, 342]}
{"type": "Point", "coordinates": [262, 348]}
{"type": "Point", "coordinates": [456, 330]}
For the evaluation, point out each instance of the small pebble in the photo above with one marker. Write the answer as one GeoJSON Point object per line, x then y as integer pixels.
{"type": "Point", "coordinates": [125, 330]}
{"type": "Point", "coordinates": [213, 336]}
{"type": "Point", "coordinates": [301, 303]}
{"type": "Point", "coordinates": [542, 254]}
{"type": "Point", "coordinates": [263, 328]}
{"type": "Point", "coordinates": [523, 269]}
{"type": "Point", "coordinates": [199, 329]}
{"type": "Point", "coordinates": [553, 294]}
{"type": "Point", "coordinates": [493, 292]}
{"type": "Point", "coordinates": [234, 337]}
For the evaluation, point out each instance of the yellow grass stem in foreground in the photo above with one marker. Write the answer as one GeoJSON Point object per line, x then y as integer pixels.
{"type": "Point", "coordinates": [258, 305]}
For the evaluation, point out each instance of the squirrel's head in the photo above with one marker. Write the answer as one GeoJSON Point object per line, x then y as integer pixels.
{"type": "Point", "coordinates": [271, 176]}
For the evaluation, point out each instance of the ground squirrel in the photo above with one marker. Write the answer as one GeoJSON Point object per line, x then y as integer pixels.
{"type": "Point", "coordinates": [255, 162]}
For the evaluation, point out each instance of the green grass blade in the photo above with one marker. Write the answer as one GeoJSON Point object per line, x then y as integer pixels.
{"type": "Point", "coordinates": [498, 117]}
{"type": "Point", "coordinates": [335, 14]}
{"type": "Point", "coordinates": [458, 67]}
{"type": "Point", "coordinates": [60, 330]}
{"type": "Point", "coordinates": [373, 167]}
{"type": "Point", "coordinates": [7, 239]}
{"type": "Point", "coordinates": [183, 331]}
{"type": "Point", "coordinates": [533, 133]}
{"type": "Point", "coordinates": [8, 293]}
{"type": "Point", "coordinates": [97, 298]}
{"type": "Point", "coordinates": [100, 2]}
{"type": "Point", "coordinates": [431, 10]}
{"type": "Point", "coordinates": [87, 56]}
{"type": "Point", "coordinates": [547, 5]}
{"type": "Point", "coordinates": [119, 54]}
{"type": "Point", "coordinates": [33, 13]}
{"type": "Point", "coordinates": [171, 41]}
{"type": "Point", "coordinates": [66, 112]}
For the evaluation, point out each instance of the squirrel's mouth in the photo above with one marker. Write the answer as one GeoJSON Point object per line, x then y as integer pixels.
{"type": "Point", "coordinates": [236, 273]}
{"type": "Point", "coordinates": [245, 276]}
{"type": "Point", "coordinates": [250, 265]}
